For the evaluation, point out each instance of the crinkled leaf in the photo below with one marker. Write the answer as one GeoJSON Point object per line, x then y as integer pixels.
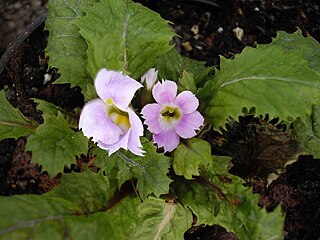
{"type": "Point", "coordinates": [95, 193]}
{"type": "Point", "coordinates": [49, 109]}
{"type": "Point", "coordinates": [133, 219]}
{"type": "Point", "coordinates": [162, 220]}
{"type": "Point", "coordinates": [307, 50]}
{"type": "Point", "coordinates": [274, 79]}
{"type": "Point", "coordinates": [31, 216]}
{"type": "Point", "coordinates": [150, 170]}
{"type": "Point", "coordinates": [115, 167]}
{"type": "Point", "coordinates": [307, 131]}
{"type": "Point", "coordinates": [200, 72]}
{"type": "Point", "coordinates": [12, 123]}
{"type": "Point", "coordinates": [222, 199]}
{"type": "Point", "coordinates": [41, 217]}
{"type": "Point", "coordinates": [66, 47]}
{"type": "Point", "coordinates": [188, 157]}
{"type": "Point", "coordinates": [171, 66]}
{"type": "Point", "coordinates": [54, 145]}
{"type": "Point", "coordinates": [123, 35]}
{"type": "Point", "coordinates": [186, 82]}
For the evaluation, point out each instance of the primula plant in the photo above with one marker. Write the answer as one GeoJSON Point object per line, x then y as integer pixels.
{"type": "Point", "coordinates": [146, 129]}
{"type": "Point", "coordinates": [172, 116]}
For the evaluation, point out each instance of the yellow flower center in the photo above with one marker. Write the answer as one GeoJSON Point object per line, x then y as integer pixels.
{"type": "Point", "coordinates": [118, 117]}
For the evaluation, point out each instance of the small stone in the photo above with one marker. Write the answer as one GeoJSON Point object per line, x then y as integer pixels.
{"type": "Point", "coordinates": [238, 32]}
{"type": "Point", "coordinates": [47, 78]}
{"type": "Point", "coordinates": [187, 46]}
{"type": "Point", "coordinates": [195, 29]}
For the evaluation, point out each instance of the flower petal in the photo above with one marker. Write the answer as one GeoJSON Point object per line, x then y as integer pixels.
{"type": "Point", "coordinates": [187, 102]}
{"type": "Point", "coordinates": [188, 124]}
{"type": "Point", "coordinates": [165, 92]}
{"type": "Point", "coordinates": [150, 113]}
{"type": "Point", "coordinates": [134, 144]}
{"type": "Point", "coordinates": [150, 77]}
{"type": "Point", "coordinates": [95, 123]}
{"type": "Point", "coordinates": [130, 140]}
{"type": "Point", "coordinates": [117, 87]}
{"type": "Point", "coordinates": [122, 143]}
{"type": "Point", "coordinates": [168, 140]}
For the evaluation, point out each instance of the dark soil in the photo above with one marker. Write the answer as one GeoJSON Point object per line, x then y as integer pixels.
{"type": "Point", "coordinates": [207, 29]}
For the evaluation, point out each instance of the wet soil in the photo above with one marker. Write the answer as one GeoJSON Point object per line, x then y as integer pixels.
{"type": "Point", "coordinates": [207, 29]}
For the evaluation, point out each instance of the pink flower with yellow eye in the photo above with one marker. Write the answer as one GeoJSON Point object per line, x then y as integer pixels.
{"type": "Point", "coordinates": [172, 116]}
{"type": "Point", "coordinates": [109, 120]}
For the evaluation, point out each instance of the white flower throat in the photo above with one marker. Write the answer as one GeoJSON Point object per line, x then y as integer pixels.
{"type": "Point", "coordinates": [169, 116]}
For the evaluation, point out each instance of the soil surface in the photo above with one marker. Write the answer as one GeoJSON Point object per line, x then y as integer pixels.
{"type": "Point", "coordinates": [207, 29]}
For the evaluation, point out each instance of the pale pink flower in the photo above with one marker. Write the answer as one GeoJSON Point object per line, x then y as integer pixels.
{"type": "Point", "coordinates": [172, 116]}
{"type": "Point", "coordinates": [149, 78]}
{"type": "Point", "coordinates": [109, 120]}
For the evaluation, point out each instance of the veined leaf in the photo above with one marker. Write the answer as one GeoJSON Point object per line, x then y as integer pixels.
{"type": "Point", "coordinates": [123, 35]}
{"type": "Point", "coordinates": [150, 170]}
{"type": "Point", "coordinates": [186, 82]}
{"type": "Point", "coordinates": [307, 50]}
{"type": "Point", "coordinates": [274, 79]}
{"type": "Point", "coordinates": [12, 123]}
{"type": "Point", "coordinates": [28, 216]}
{"type": "Point", "coordinates": [161, 220]}
{"type": "Point", "coordinates": [96, 190]}
{"type": "Point", "coordinates": [307, 131]}
{"type": "Point", "coordinates": [116, 168]}
{"type": "Point", "coordinates": [55, 145]}
{"type": "Point", "coordinates": [38, 217]}
{"type": "Point", "coordinates": [66, 47]}
{"type": "Point", "coordinates": [171, 66]}
{"type": "Point", "coordinates": [222, 199]}
{"type": "Point", "coordinates": [49, 109]}
{"type": "Point", "coordinates": [133, 219]}
{"type": "Point", "coordinates": [188, 158]}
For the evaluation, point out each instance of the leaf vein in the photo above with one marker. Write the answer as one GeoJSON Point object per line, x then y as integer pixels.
{"type": "Point", "coordinates": [266, 78]}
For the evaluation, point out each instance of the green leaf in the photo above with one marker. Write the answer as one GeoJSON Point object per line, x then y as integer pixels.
{"type": "Point", "coordinates": [54, 145]}
{"type": "Point", "coordinates": [123, 35]}
{"type": "Point", "coordinates": [307, 50]}
{"type": "Point", "coordinates": [222, 199]}
{"type": "Point", "coordinates": [49, 109]}
{"type": "Point", "coordinates": [66, 47]}
{"type": "Point", "coordinates": [12, 123]}
{"type": "Point", "coordinates": [96, 190]}
{"type": "Point", "coordinates": [28, 216]}
{"type": "Point", "coordinates": [114, 166]}
{"type": "Point", "coordinates": [272, 78]}
{"type": "Point", "coordinates": [39, 217]}
{"type": "Point", "coordinates": [132, 219]}
{"type": "Point", "coordinates": [171, 66]}
{"type": "Point", "coordinates": [200, 72]}
{"type": "Point", "coordinates": [161, 220]}
{"type": "Point", "coordinates": [186, 82]}
{"type": "Point", "coordinates": [150, 170]}
{"type": "Point", "coordinates": [307, 131]}
{"type": "Point", "coordinates": [188, 157]}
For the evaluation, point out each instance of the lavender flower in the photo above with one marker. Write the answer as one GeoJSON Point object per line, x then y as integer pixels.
{"type": "Point", "coordinates": [109, 120]}
{"type": "Point", "coordinates": [149, 78]}
{"type": "Point", "coordinates": [172, 116]}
